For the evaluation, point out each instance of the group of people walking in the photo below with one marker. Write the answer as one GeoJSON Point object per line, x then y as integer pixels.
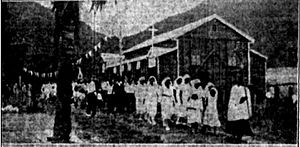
{"type": "Point", "coordinates": [184, 101]}
{"type": "Point", "coordinates": [194, 103]}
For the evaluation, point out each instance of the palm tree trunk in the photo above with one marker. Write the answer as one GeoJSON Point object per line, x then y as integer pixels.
{"type": "Point", "coordinates": [67, 19]}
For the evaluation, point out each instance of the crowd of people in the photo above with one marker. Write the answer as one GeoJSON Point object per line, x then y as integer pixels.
{"type": "Point", "coordinates": [183, 101]}
{"type": "Point", "coordinates": [19, 94]}
{"type": "Point", "coordinates": [193, 102]}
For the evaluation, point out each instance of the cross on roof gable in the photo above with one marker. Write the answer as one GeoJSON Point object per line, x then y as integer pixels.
{"type": "Point", "coordinates": [182, 30]}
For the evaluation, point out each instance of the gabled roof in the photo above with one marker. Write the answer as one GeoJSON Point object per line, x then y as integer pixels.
{"type": "Point", "coordinates": [182, 30]}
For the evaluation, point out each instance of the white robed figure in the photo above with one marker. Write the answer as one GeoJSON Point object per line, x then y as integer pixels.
{"type": "Point", "coordinates": [239, 111]}
{"type": "Point", "coordinates": [195, 106]}
{"type": "Point", "coordinates": [177, 92]}
{"type": "Point", "coordinates": [211, 117]}
{"type": "Point", "coordinates": [166, 102]}
{"type": "Point", "coordinates": [152, 99]}
{"type": "Point", "coordinates": [186, 94]}
{"type": "Point", "coordinates": [140, 95]}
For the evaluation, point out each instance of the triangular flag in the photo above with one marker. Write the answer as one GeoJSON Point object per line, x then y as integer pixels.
{"type": "Point", "coordinates": [138, 65]}
{"type": "Point", "coordinates": [115, 70]}
{"type": "Point", "coordinates": [129, 66]}
{"type": "Point", "coordinates": [122, 68]}
{"type": "Point", "coordinates": [55, 73]}
{"type": "Point", "coordinates": [31, 73]}
{"type": "Point", "coordinates": [103, 68]}
{"type": "Point", "coordinates": [79, 61]}
{"type": "Point", "coordinates": [90, 53]}
{"type": "Point", "coordinates": [36, 74]}
{"type": "Point", "coordinates": [86, 55]}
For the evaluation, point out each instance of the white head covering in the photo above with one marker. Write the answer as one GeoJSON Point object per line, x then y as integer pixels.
{"type": "Point", "coordinates": [209, 84]}
{"type": "Point", "coordinates": [186, 76]}
{"type": "Point", "coordinates": [194, 82]}
{"type": "Point", "coordinates": [163, 83]}
{"type": "Point", "coordinates": [140, 79]}
{"type": "Point", "coordinates": [155, 81]}
{"type": "Point", "coordinates": [175, 81]}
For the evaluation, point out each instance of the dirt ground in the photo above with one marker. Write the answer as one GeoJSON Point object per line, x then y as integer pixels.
{"type": "Point", "coordinates": [122, 128]}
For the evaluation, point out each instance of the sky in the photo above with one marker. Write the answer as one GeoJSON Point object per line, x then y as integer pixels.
{"type": "Point", "coordinates": [130, 16]}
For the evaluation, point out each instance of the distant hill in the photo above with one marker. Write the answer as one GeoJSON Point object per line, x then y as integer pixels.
{"type": "Point", "coordinates": [272, 23]}
{"type": "Point", "coordinates": [27, 37]}
{"type": "Point", "coordinates": [27, 31]}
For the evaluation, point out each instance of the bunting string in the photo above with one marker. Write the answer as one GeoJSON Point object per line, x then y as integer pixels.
{"type": "Point", "coordinates": [40, 75]}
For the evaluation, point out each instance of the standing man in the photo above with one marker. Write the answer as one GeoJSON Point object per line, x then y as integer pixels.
{"type": "Point", "coordinates": [239, 111]}
{"type": "Point", "coordinates": [91, 99]}
{"type": "Point", "coordinates": [119, 95]}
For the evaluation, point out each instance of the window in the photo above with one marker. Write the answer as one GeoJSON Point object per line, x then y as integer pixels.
{"type": "Point", "coordinates": [196, 60]}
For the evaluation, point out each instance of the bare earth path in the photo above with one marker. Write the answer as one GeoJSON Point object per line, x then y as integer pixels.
{"type": "Point", "coordinates": [108, 128]}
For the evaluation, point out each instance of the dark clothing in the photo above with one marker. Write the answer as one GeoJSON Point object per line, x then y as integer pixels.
{"type": "Point", "coordinates": [92, 104]}
{"type": "Point", "coordinates": [119, 97]}
{"type": "Point", "coordinates": [239, 128]}
{"type": "Point", "coordinates": [131, 102]}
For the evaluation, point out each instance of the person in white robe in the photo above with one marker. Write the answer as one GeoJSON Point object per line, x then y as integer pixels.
{"type": "Point", "coordinates": [195, 107]}
{"type": "Point", "coordinates": [140, 97]}
{"type": "Point", "coordinates": [166, 102]}
{"type": "Point", "coordinates": [239, 111]}
{"type": "Point", "coordinates": [211, 117]}
{"type": "Point", "coordinates": [186, 94]}
{"type": "Point", "coordinates": [152, 99]}
{"type": "Point", "coordinates": [177, 92]}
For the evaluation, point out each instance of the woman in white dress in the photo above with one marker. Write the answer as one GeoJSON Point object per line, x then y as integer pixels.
{"type": "Point", "coordinates": [166, 102]}
{"type": "Point", "coordinates": [177, 92]}
{"type": "Point", "coordinates": [195, 107]}
{"type": "Point", "coordinates": [152, 98]}
{"type": "Point", "coordinates": [186, 94]}
{"type": "Point", "coordinates": [140, 97]}
{"type": "Point", "coordinates": [211, 117]}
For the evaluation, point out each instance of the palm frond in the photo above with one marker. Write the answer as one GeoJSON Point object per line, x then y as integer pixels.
{"type": "Point", "coordinates": [98, 5]}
